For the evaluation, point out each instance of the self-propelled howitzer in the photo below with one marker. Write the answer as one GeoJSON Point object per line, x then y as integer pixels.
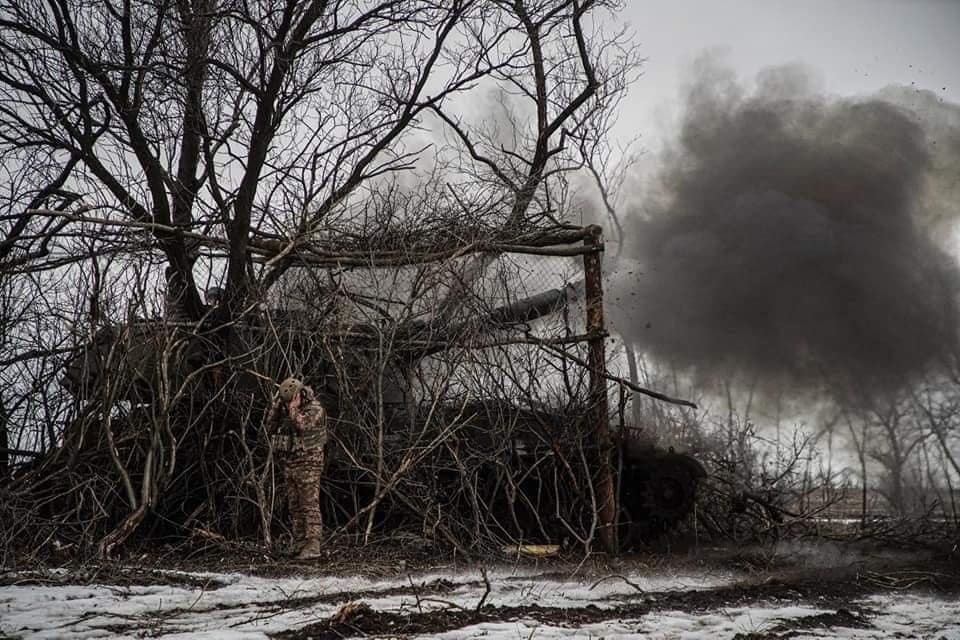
{"type": "Point", "coordinates": [146, 362]}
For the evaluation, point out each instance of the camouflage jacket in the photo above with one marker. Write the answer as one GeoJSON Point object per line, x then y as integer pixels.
{"type": "Point", "coordinates": [310, 425]}
{"type": "Point", "coordinates": [305, 427]}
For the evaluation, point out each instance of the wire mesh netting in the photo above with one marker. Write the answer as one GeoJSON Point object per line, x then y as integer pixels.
{"type": "Point", "coordinates": [448, 384]}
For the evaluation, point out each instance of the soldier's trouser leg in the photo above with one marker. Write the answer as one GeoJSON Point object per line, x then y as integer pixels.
{"type": "Point", "coordinates": [305, 471]}
{"type": "Point", "coordinates": [293, 506]}
{"type": "Point", "coordinates": [312, 519]}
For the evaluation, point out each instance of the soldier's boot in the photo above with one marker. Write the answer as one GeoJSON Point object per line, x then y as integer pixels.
{"type": "Point", "coordinates": [313, 529]}
{"type": "Point", "coordinates": [311, 549]}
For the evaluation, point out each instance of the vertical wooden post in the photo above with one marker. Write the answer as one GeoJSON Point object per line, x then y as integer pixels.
{"type": "Point", "coordinates": [4, 445]}
{"type": "Point", "coordinates": [603, 482]}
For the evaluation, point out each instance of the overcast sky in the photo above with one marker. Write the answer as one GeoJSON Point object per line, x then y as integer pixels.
{"type": "Point", "coordinates": [852, 47]}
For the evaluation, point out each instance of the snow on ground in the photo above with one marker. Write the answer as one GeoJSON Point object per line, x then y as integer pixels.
{"type": "Point", "coordinates": [920, 617]}
{"type": "Point", "coordinates": [906, 615]}
{"type": "Point", "coordinates": [97, 611]}
{"type": "Point", "coordinates": [248, 607]}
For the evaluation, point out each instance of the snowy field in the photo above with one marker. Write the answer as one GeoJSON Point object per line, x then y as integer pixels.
{"type": "Point", "coordinates": [533, 605]}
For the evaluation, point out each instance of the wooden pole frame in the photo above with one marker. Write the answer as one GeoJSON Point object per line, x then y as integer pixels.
{"type": "Point", "coordinates": [604, 486]}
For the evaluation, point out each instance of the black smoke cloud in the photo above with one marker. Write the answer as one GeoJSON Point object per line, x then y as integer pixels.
{"type": "Point", "coordinates": [789, 238]}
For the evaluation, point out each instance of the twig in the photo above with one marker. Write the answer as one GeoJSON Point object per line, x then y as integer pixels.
{"type": "Point", "coordinates": [416, 593]}
{"type": "Point", "coordinates": [630, 385]}
{"type": "Point", "coordinates": [486, 591]}
{"type": "Point", "coordinates": [621, 577]}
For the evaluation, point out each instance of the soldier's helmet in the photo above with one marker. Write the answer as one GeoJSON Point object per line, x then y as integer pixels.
{"type": "Point", "coordinates": [289, 388]}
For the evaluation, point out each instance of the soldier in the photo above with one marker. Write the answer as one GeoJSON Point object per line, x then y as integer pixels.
{"type": "Point", "coordinates": [304, 443]}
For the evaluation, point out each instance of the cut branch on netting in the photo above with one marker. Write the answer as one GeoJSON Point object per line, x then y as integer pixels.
{"type": "Point", "coordinates": [622, 381]}
{"type": "Point", "coordinates": [550, 242]}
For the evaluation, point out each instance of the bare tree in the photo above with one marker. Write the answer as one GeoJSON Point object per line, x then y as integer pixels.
{"type": "Point", "coordinates": [215, 142]}
{"type": "Point", "coordinates": [246, 127]}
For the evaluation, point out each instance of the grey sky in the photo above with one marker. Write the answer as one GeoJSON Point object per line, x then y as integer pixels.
{"type": "Point", "coordinates": [852, 47]}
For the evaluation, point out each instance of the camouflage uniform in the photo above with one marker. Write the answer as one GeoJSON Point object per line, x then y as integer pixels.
{"type": "Point", "coordinates": [304, 463]}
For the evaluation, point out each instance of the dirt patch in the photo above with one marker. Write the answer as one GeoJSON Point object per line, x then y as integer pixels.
{"type": "Point", "coordinates": [385, 558]}
{"type": "Point", "coordinates": [791, 628]}
{"type": "Point", "coordinates": [113, 575]}
{"type": "Point", "coordinates": [372, 622]}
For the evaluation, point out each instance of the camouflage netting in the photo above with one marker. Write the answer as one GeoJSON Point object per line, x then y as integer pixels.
{"type": "Point", "coordinates": [455, 417]}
